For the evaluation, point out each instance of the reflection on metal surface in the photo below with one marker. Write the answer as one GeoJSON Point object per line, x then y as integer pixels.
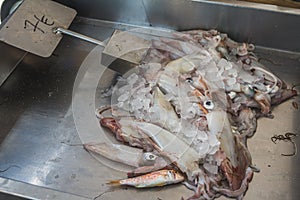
{"type": "Point", "coordinates": [28, 191]}
{"type": "Point", "coordinates": [130, 12]}
{"type": "Point", "coordinates": [8, 7]}
{"type": "Point", "coordinates": [9, 63]}
{"type": "Point", "coordinates": [256, 4]}
{"type": "Point", "coordinates": [1, 2]}
{"type": "Point", "coordinates": [253, 25]}
{"type": "Point", "coordinates": [32, 140]}
{"type": "Point", "coordinates": [15, 6]}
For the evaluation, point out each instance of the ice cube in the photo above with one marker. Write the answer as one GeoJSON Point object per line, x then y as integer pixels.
{"type": "Point", "coordinates": [136, 104]}
{"type": "Point", "coordinates": [124, 88]}
{"type": "Point", "coordinates": [124, 96]}
{"type": "Point", "coordinates": [132, 79]}
{"type": "Point", "coordinates": [233, 72]}
{"type": "Point", "coordinates": [230, 81]}
{"type": "Point", "coordinates": [224, 64]}
{"type": "Point", "coordinates": [120, 104]}
{"type": "Point", "coordinates": [202, 148]}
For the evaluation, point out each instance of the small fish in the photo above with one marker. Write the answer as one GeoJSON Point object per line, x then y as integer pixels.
{"type": "Point", "coordinates": [153, 179]}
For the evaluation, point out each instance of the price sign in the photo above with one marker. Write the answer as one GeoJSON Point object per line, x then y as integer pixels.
{"type": "Point", "coordinates": [31, 26]}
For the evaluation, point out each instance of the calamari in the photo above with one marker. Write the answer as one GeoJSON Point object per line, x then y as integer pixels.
{"type": "Point", "coordinates": [191, 106]}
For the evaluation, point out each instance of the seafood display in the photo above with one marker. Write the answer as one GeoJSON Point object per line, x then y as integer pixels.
{"type": "Point", "coordinates": [185, 114]}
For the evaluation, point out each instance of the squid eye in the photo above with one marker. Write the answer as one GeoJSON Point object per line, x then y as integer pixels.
{"type": "Point", "coordinates": [208, 104]}
{"type": "Point", "coordinates": [248, 90]}
{"type": "Point", "coordinates": [189, 80]}
{"type": "Point", "coordinates": [149, 156]}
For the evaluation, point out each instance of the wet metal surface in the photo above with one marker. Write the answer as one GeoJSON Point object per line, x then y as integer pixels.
{"type": "Point", "coordinates": [9, 64]}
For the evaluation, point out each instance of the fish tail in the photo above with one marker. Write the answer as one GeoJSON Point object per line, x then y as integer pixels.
{"type": "Point", "coordinates": [114, 183]}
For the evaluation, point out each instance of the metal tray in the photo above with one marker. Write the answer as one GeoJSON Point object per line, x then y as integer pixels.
{"type": "Point", "coordinates": [38, 119]}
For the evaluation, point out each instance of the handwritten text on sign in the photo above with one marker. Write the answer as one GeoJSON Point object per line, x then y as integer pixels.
{"type": "Point", "coordinates": [34, 26]}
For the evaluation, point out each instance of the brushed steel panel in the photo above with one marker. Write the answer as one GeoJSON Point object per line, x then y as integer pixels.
{"type": "Point", "coordinates": [272, 29]}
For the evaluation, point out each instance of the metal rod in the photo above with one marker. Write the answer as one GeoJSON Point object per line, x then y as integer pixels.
{"type": "Point", "coordinates": [60, 30]}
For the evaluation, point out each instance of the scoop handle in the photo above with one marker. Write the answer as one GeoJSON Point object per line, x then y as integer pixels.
{"type": "Point", "coordinates": [60, 30]}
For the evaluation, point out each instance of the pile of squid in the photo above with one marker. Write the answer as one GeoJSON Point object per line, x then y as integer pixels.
{"type": "Point", "coordinates": [185, 113]}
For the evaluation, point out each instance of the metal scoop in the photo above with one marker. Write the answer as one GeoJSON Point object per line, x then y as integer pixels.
{"type": "Point", "coordinates": [122, 52]}
{"type": "Point", "coordinates": [60, 30]}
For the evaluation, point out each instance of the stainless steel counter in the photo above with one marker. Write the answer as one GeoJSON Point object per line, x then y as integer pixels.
{"type": "Point", "coordinates": [37, 124]}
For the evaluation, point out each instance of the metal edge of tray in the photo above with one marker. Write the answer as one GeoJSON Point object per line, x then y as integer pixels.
{"type": "Point", "coordinates": [254, 23]}
{"type": "Point", "coordinates": [258, 6]}
{"type": "Point", "coordinates": [28, 191]}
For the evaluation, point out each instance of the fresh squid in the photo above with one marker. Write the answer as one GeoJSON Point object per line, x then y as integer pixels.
{"type": "Point", "coordinates": [190, 107]}
{"type": "Point", "coordinates": [143, 162]}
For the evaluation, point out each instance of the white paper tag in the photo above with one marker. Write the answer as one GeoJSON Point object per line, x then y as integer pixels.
{"type": "Point", "coordinates": [31, 26]}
